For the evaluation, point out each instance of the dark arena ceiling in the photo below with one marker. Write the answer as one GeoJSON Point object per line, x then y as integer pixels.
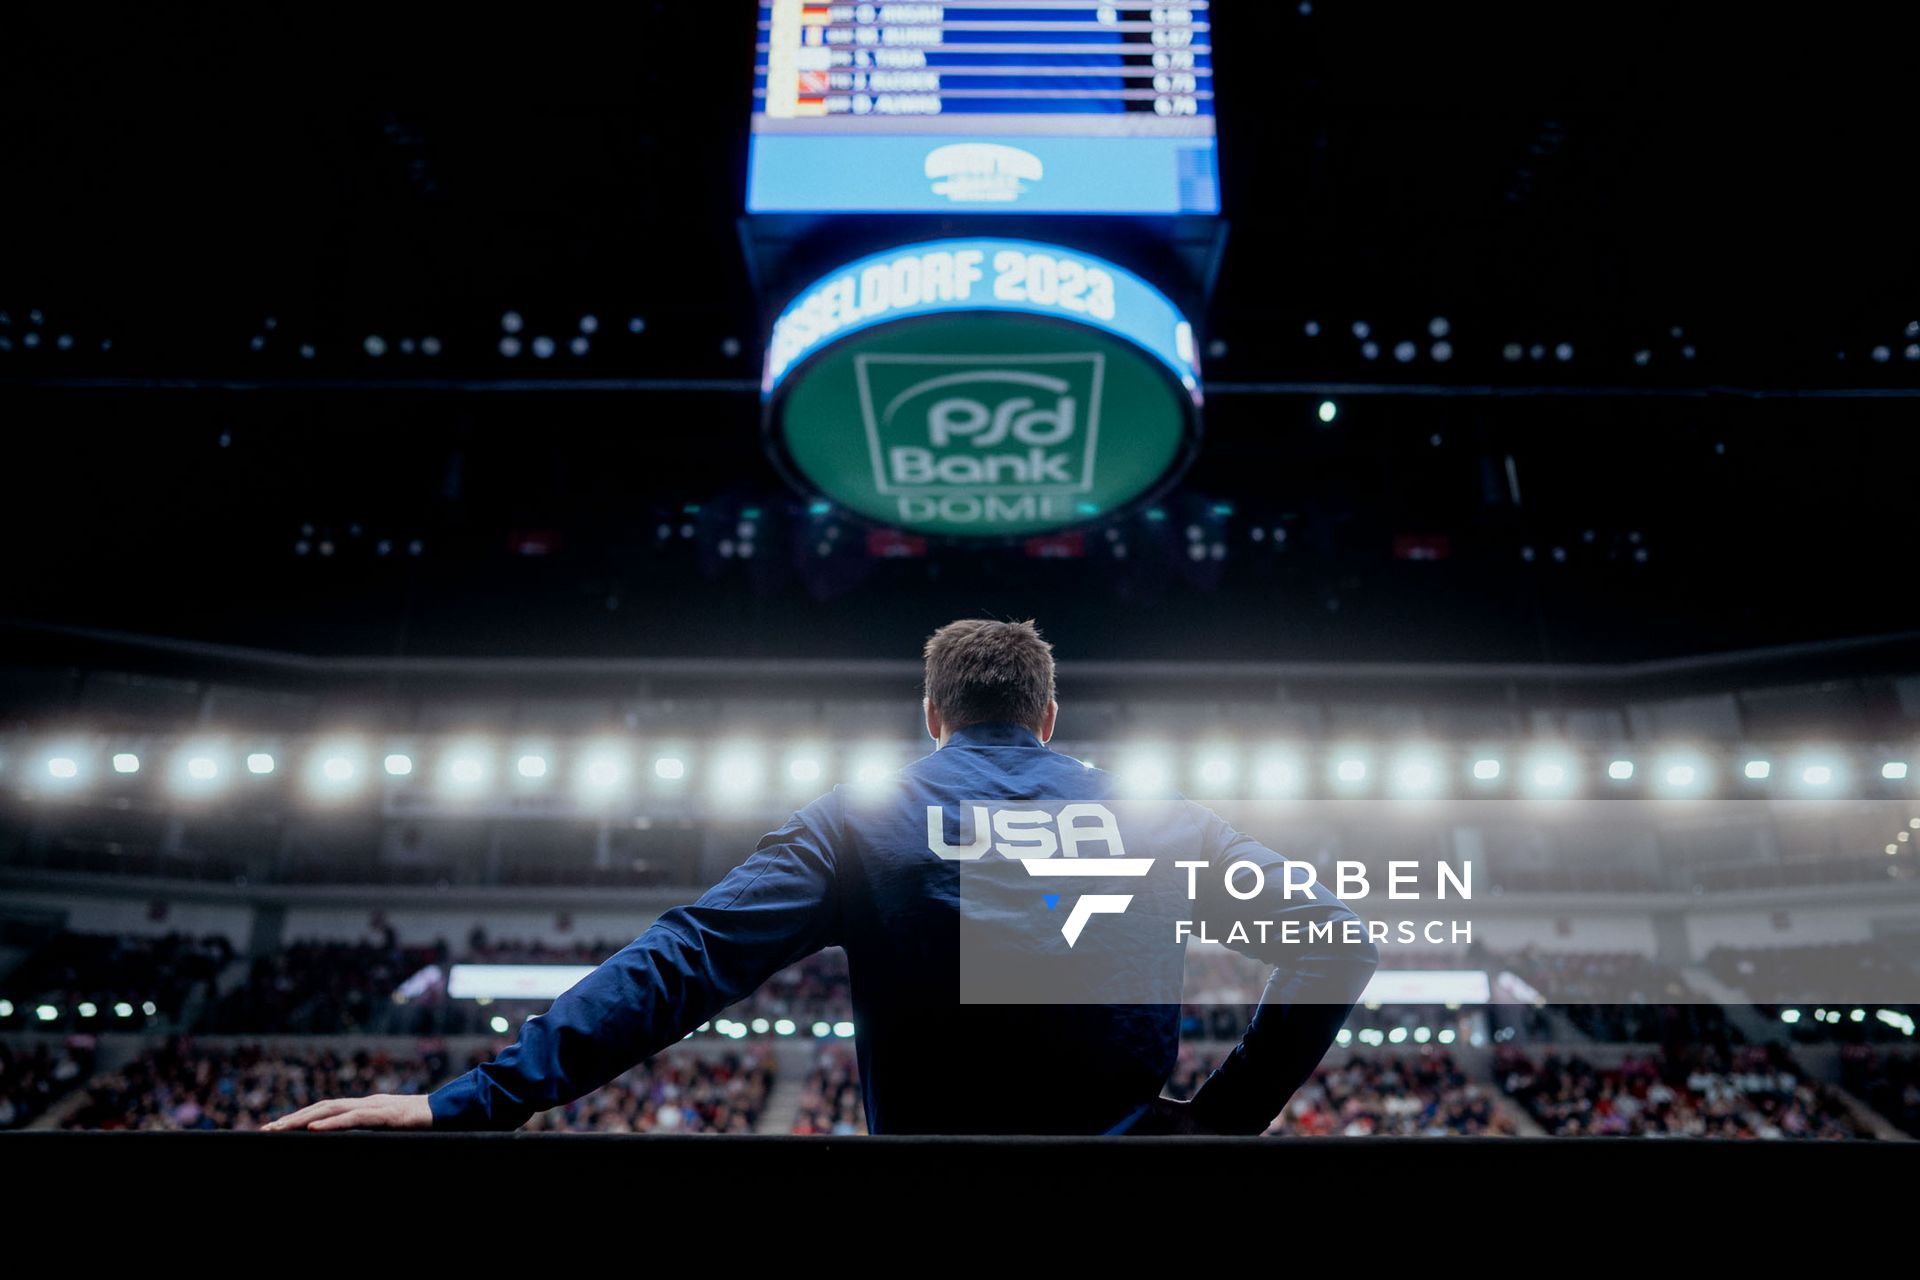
{"type": "Point", "coordinates": [1621, 335]}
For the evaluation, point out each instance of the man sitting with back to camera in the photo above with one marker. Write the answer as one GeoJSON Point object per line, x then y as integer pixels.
{"type": "Point", "coordinates": [946, 942]}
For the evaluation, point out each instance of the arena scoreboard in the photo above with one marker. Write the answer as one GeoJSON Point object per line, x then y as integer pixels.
{"type": "Point", "coordinates": [988, 107]}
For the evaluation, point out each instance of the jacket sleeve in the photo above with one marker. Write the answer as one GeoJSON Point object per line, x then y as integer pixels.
{"type": "Point", "coordinates": [770, 911]}
{"type": "Point", "coordinates": [1314, 983]}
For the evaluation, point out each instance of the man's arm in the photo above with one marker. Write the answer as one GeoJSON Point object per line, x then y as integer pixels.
{"type": "Point", "coordinates": [1312, 988]}
{"type": "Point", "coordinates": [773, 909]}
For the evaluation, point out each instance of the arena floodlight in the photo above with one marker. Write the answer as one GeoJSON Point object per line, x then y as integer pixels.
{"type": "Point", "coordinates": [1416, 774]}
{"type": "Point", "coordinates": [821, 1030]}
{"type": "Point", "coordinates": [531, 766]}
{"type": "Point", "coordinates": [46, 1013]}
{"type": "Point", "coordinates": [126, 762]}
{"type": "Point", "coordinates": [260, 764]}
{"type": "Point", "coordinates": [604, 770]}
{"type": "Point", "coordinates": [500, 1025]}
{"type": "Point", "coordinates": [1551, 775]}
{"type": "Point", "coordinates": [123, 1010]}
{"type": "Point", "coordinates": [1620, 770]}
{"type": "Point", "coordinates": [1144, 771]}
{"type": "Point", "coordinates": [199, 770]}
{"type": "Point", "coordinates": [1486, 769]}
{"type": "Point", "coordinates": [1894, 770]}
{"type": "Point", "coordinates": [1215, 770]}
{"type": "Point", "coordinates": [398, 764]}
{"type": "Point", "coordinates": [1682, 774]}
{"type": "Point", "coordinates": [738, 771]}
{"type": "Point", "coordinates": [1277, 774]}
{"type": "Point", "coordinates": [872, 765]}
{"type": "Point", "coordinates": [338, 769]}
{"type": "Point", "coordinates": [465, 768]}
{"type": "Point", "coordinates": [1350, 769]}
{"type": "Point", "coordinates": [1758, 770]}
{"type": "Point", "coordinates": [1819, 773]}
{"type": "Point", "coordinates": [805, 767]}
{"type": "Point", "coordinates": [1329, 411]}
{"type": "Point", "coordinates": [670, 768]}
{"type": "Point", "coordinates": [63, 768]}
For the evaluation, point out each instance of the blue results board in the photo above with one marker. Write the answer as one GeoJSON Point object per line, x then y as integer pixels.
{"type": "Point", "coordinates": [1070, 108]}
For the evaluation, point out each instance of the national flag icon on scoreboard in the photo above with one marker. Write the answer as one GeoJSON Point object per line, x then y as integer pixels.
{"type": "Point", "coordinates": [811, 93]}
{"type": "Point", "coordinates": [815, 15]}
{"type": "Point", "coordinates": [813, 35]}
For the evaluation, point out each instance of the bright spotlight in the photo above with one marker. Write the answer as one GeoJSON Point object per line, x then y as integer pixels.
{"type": "Point", "coordinates": [260, 764]}
{"type": "Point", "coordinates": [1486, 770]}
{"type": "Point", "coordinates": [1350, 770]}
{"type": "Point", "coordinates": [398, 765]}
{"type": "Point", "coordinates": [337, 770]}
{"type": "Point", "coordinates": [1759, 770]}
{"type": "Point", "coordinates": [1683, 775]}
{"type": "Point", "coordinates": [872, 766]}
{"type": "Point", "coordinates": [202, 769]}
{"type": "Point", "coordinates": [126, 762]}
{"type": "Point", "coordinates": [1416, 776]}
{"type": "Point", "coordinates": [531, 767]}
{"type": "Point", "coordinates": [500, 1025]}
{"type": "Point", "coordinates": [1329, 411]}
{"type": "Point", "coordinates": [1620, 770]}
{"type": "Point", "coordinates": [1214, 771]}
{"type": "Point", "coordinates": [738, 771]}
{"type": "Point", "coordinates": [1550, 776]}
{"type": "Point", "coordinates": [1894, 770]}
{"type": "Point", "coordinates": [604, 770]}
{"type": "Point", "coordinates": [670, 768]}
{"type": "Point", "coordinates": [65, 768]}
{"type": "Point", "coordinates": [1277, 774]}
{"type": "Point", "coordinates": [805, 769]}
{"type": "Point", "coordinates": [464, 769]}
{"type": "Point", "coordinates": [1818, 772]}
{"type": "Point", "coordinates": [1145, 771]}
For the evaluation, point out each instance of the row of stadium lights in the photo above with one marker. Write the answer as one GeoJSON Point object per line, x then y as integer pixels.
{"type": "Point", "coordinates": [86, 1009]}
{"type": "Point", "coordinates": [843, 1030]}
{"type": "Point", "coordinates": [1898, 1019]}
{"type": "Point", "coordinates": [740, 771]}
{"type": "Point", "coordinates": [340, 770]}
{"type": "Point", "coordinates": [1420, 773]}
{"type": "Point", "coordinates": [733, 1029]}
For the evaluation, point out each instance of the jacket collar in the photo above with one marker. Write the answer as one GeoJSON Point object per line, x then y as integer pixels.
{"type": "Point", "coordinates": [994, 735]}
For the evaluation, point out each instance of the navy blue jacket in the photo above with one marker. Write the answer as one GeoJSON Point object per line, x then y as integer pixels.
{"type": "Point", "coordinates": [928, 934]}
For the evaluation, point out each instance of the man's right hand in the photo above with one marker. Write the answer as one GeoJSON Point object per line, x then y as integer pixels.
{"type": "Point", "coordinates": [380, 1111]}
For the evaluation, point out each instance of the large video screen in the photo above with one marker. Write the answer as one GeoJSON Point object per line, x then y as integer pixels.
{"type": "Point", "coordinates": [1072, 108]}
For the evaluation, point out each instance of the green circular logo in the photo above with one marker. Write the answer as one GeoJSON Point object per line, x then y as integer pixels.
{"type": "Point", "coordinates": [982, 389]}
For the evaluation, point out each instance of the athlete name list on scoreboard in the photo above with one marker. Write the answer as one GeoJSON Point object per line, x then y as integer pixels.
{"type": "Point", "coordinates": [825, 61]}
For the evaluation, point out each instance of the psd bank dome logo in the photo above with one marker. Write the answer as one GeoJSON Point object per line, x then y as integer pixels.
{"type": "Point", "coordinates": [981, 389]}
{"type": "Point", "coordinates": [944, 427]}
{"type": "Point", "coordinates": [982, 172]}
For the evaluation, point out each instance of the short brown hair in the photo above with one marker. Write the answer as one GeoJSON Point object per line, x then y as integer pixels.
{"type": "Point", "coordinates": [984, 672]}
